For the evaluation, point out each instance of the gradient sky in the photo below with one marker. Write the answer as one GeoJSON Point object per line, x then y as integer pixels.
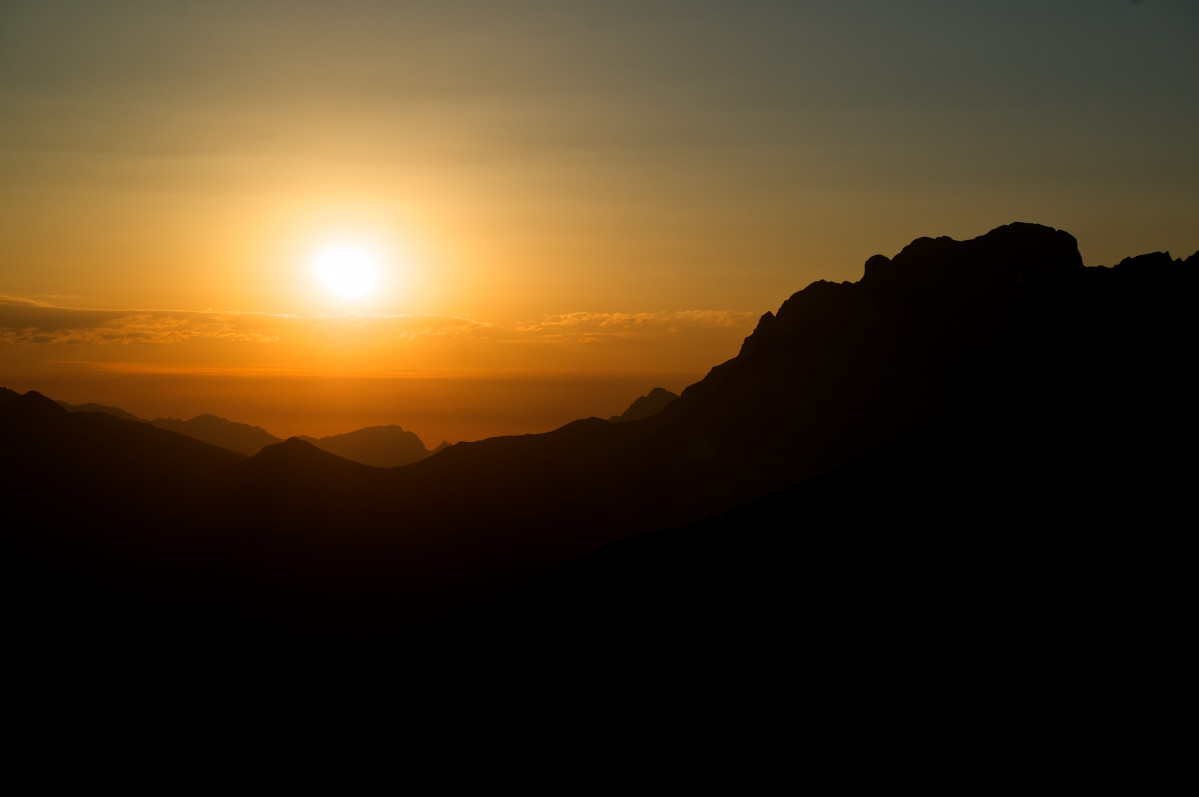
{"type": "Point", "coordinates": [553, 189]}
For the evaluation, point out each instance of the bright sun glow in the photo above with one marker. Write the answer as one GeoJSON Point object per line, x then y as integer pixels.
{"type": "Point", "coordinates": [348, 272]}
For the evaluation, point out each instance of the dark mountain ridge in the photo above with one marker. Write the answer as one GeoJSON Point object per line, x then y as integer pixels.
{"type": "Point", "coordinates": [1018, 384]}
{"type": "Point", "coordinates": [93, 407]}
{"type": "Point", "coordinates": [650, 404]}
{"type": "Point", "coordinates": [240, 437]}
{"type": "Point", "coordinates": [381, 446]}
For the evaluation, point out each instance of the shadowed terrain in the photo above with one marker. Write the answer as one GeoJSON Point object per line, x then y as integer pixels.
{"type": "Point", "coordinates": [240, 437]}
{"type": "Point", "coordinates": [380, 446]}
{"type": "Point", "coordinates": [650, 404]}
{"type": "Point", "coordinates": [979, 449]}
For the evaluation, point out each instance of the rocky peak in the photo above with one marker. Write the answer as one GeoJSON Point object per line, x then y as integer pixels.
{"type": "Point", "coordinates": [931, 270]}
{"type": "Point", "coordinates": [650, 404]}
{"type": "Point", "coordinates": [1013, 253]}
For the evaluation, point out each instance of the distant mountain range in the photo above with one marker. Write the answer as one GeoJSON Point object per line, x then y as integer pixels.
{"type": "Point", "coordinates": [974, 455]}
{"type": "Point", "coordinates": [240, 437]}
{"type": "Point", "coordinates": [381, 446]}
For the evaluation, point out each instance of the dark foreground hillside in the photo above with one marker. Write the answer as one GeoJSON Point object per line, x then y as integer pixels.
{"type": "Point", "coordinates": [975, 457]}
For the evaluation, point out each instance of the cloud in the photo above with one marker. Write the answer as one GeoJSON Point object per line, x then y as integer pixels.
{"type": "Point", "coordinates": [35, 335]}
{"type": "Point", "coordinates": [227, 342]}
{"type": "Point", "coordinates": [27, 321]}
{"type": "Point", "coordinates": [596, 326]}
{"type": "Point", "coordinates": [15, 301]}
{"type": "Point", "coordinates": [415, 327]}
{"type": "Point", "coordinates": [640, 320]}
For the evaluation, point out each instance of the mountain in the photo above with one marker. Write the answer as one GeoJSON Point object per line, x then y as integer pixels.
{"type": "Point", "coordinates": [380, 446]}
{"type": "Point", "coordinates": [1009, 541]}
{"type": "Point", "coordinates": [92, 407]}
{"type": "Point", "coordinates": [976, 438]}
{"type": "Point", "coordinates": [650, 404]}
{"type": "Point", "coordinates": [240, 437]}
{"type": "Point", "coordinates": [211, 429]}
{"type": "Point", "coordinates": [101, 516]}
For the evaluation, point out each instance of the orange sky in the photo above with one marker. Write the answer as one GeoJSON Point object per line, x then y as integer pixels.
{"type": "Point", "coordinates": [564, 191]}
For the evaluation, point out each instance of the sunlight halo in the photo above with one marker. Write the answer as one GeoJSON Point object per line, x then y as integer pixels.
{"type": "Point", "coordinates": [348, 271]}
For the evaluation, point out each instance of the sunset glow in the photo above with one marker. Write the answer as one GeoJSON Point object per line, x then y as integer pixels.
{"type": "Point", "coordinates": [410, 358]}
{"type": "Point", "coordinates": [345, 270]}
{"type": "Point", "coordinates": [563, 191]}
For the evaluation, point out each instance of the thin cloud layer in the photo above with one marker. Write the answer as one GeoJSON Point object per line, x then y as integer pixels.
{"type": "Point", "coordinates": [15, 301]}
{"type": "Point", "coordinates": [36, 335]}
{"type": "Point", "coordinates": [27, 321]}
{"type": "Point", "coordinates": [628, 322]}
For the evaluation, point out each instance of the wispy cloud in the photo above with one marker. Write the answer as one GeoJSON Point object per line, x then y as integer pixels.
{"type": "Point", "coordinates": [719, 318]}
{"type": "Point", "coordinates": [16, 301]}
{"type": "Point", "coordinates": [36, 335]}
{"type": "Point", "coordinates": [28, 321]}
{"type": "Point", "coordinates": [594, 327]}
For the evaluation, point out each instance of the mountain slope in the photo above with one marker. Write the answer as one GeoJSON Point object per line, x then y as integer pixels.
{"type": "Point", "coordinates": [380, 446]}
{"type": "Point", "coordinates": [947, 568]}
{"type": "Point", "coordinates": [650, 404]}
{"type": "Point", "coordinates": [93, 407]}
{"type": "Point", "coordinates": [1042, 377]}
{"type": "Point", "coordinates": [842, 370]}
{"type": "Point", "coordinates": [240, 437]}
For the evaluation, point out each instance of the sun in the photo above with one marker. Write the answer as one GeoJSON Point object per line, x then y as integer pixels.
{"type": "Point", "coordinates": [348, 271]}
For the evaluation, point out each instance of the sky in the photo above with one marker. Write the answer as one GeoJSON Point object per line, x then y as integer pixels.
{"type": "Point", "coordinates": [555, 206]}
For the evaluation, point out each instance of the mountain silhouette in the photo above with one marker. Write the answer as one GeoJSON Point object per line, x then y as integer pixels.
{"type": "Point", "coordinates": [240, 437]}
{"type": "Point", "coordinates": [380, 446]}
{"type": "Point", "coordinates": [650, 404]}
{"type": "Point", "coordinates": [93, 407]}
{"type": "Point", "coordinates": [976, 441]}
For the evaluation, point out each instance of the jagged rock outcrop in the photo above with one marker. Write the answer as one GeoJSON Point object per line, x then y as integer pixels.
{"type": "Point", "coordinates": [1034, 406]}
{"type": "Point", "coordinates": [650, 404]}
{"type": "Point", "coordinates": [1014, 253]}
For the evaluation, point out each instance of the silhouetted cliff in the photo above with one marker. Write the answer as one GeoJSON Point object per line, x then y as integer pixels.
{"type": "Point", "coordinates": [967, 417]}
